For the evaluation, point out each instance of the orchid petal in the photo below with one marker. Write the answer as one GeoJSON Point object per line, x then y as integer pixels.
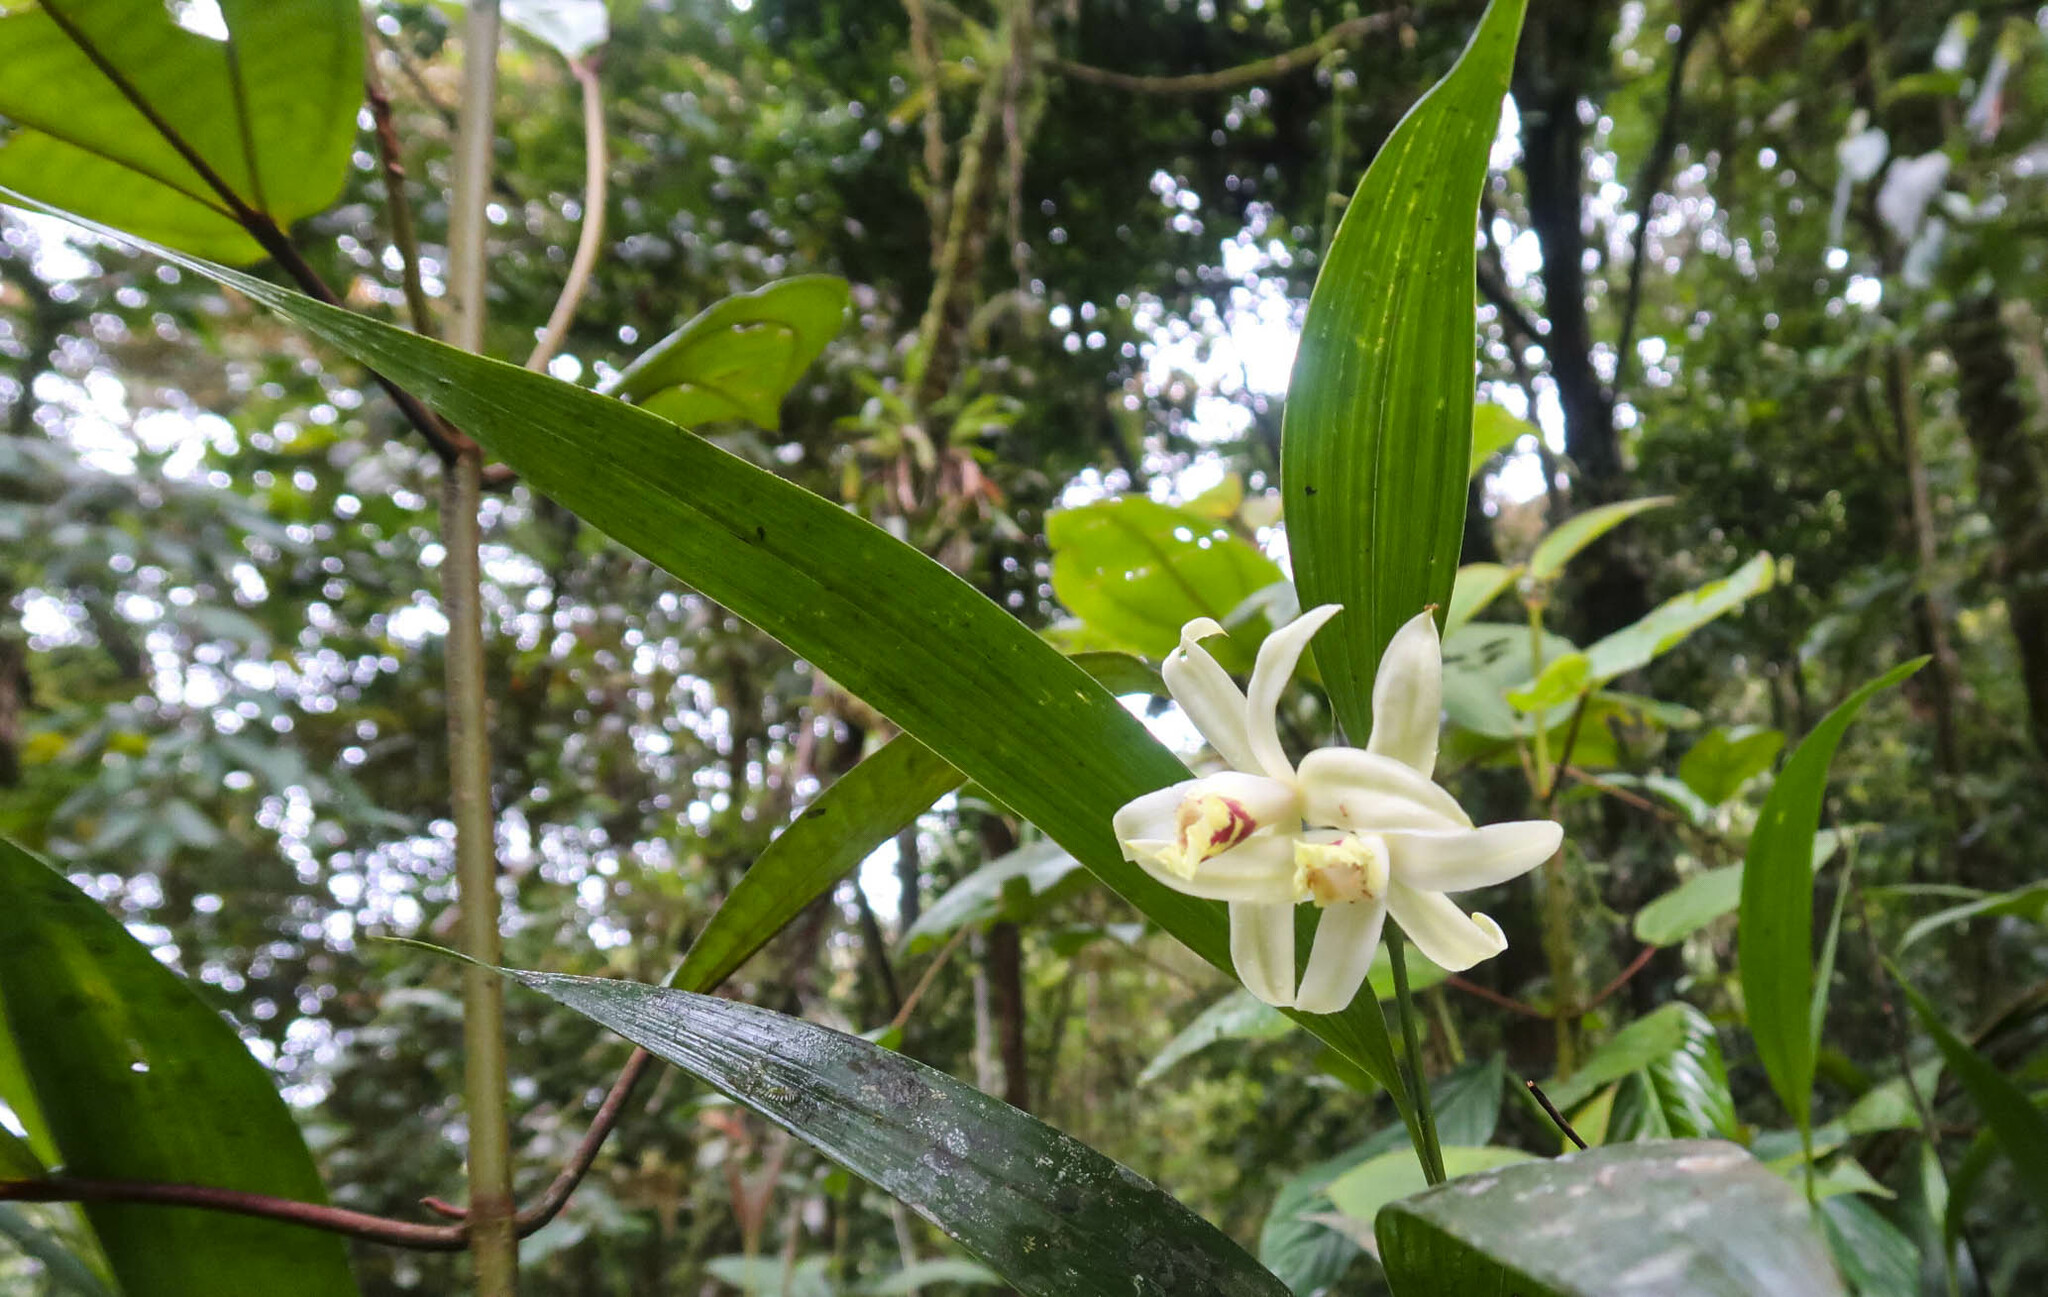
{"type": "Point", "coordinates": [1268, 803]}
{"type": "Point", "coordinates": [1258, 869]}
{"type": "Point", "coordinates": [1408, 695]}
{"type": "Point", "coordinates": [1355, 789]}
{"type": "Point", "coordinates": [1275, 667]}
{"type": "Point", "coordinates": [1262, 950]}
{"type": "Point", "coordinates": [1461, 861]}
{"type": "Point", "coordinates": [1346, 937]}
{"type": "Point", "coordinates": [1451, 938]}
{"type": "Point", "coordinates": [1207, 694]}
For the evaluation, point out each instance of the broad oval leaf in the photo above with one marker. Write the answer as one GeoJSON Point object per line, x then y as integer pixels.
{"type": "Point", "coordinates": [739, 357]}
{"type": "Point", "coordinates": [1699, 1217]}
{"type": "Point", "coordinates": [140, 1079]}
{"type": "Point", "coordinates": [1706, 896]}
{"type": "Point", "coordinates": [1724, 759]}
{"type": "Point", "coordinates": [1376, 444]}
{"type": "Point", "coordinates": [885, 621]}
{"type": "Point", "coordinates": [1774, 950]}
{"type": "Point", "coordinates": [1045, 1211]}
{"type": "Point", "coordinates": [1135, 571]}
{"type": "Point", "coordinates": [101, 94]}
{"type": "Point", "coordinates": [1563, 542]}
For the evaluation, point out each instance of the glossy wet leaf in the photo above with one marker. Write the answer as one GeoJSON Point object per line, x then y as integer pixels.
{"type": "Point", "coordinates": [1046, 1212]}
{"type": "Point", "coordinates": [2016, 1124]}
{"type": "Point", "coordinates": [881, 619]}
{"type": "Point", "coordinates": [1682, 1094]}
{"type": "Point", "coordinates": [1698, 1217]}
{"type": "Point", "coordinates": [1135, 571]}
{"type": "Point", "coordinates": [1646, 1040]}
{"type": "Point", "coordinates": [861, 810]}
{"type": "Point", "coordinates": [1377, 442]}
{"type": "Point", "coordinates": [267, 102]}
{"type": "Point", "coordinates": [1564, 542]}
{"type": "Point", "coordinates": [141, 1079]}
{"type": "Point", "coordinates": [739, 357]}
{"type": "Point", "coordinates": [1638, 644]}
{"type": "Point", "coordinates": [1775, 940]}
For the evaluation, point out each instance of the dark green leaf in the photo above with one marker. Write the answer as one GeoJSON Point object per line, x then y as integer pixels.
{"type": "Point", "coordinates": [1876, 1258]}
{"type": "Point", "coordinates": [1775, 941]}
{"type": "Point", "coordinates": [738, 358]}
{"type": "Point", "coordinates": [140, 1079]}
{"type": "Point", "coordinates": [2019, 1127]}
{"type": "Point", "coordinates": [1697, 1217]}
{"type": "Point", "coordinates": [1046, 1212]}
{"type": "Point", "coordinates": [880, 618]}
{"type": "Point", "coordinates": [1683, 1094]}
{"type": "Point", "coordinates": [270, 111]}
{"type": "Point", "coordinates": [863, 808]}
{"type": "Point", "coordinates": [1724, 759]}
{"type": "Point", "coordinates": [1237, 1016]}
{"type": "Point", "coordinates": [1642, 1042]}
{"type": "Point", "coordinates": [1377, 439]}
{"type": "Point", "coordinates": [1563, 542]}
{"type": "Point", "coordinates": [1135, 571]}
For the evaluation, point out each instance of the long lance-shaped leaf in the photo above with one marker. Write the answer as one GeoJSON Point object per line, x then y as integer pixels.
{"type": "Point", "coordinates": [2020, 1128]}
{"type": "Point", "coordinates": [894, 627]}
{"type": "Point", "coordinates": [1775, 950]}
{"type": "Point", "coordinates": [863, 808]}
{"type": "Point", "coordinates": [1377, 439]}
{"type": "Point", "coordinates": [140, 1079]}
{"type": "Point", "coordinates": [1048, 1213]}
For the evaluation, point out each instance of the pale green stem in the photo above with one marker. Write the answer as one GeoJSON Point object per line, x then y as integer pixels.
{"type": "Point", "coordinates": [596, 167]}
{"type": "Point", "coordinates": [1429, 1151]}
{"type": "Point", "coordinates": [494, 1247]}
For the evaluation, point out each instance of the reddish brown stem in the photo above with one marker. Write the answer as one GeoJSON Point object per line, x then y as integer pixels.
{"type": "Point", "coordinates": [1492, 996]}
{"type": "Point", "coordinates": [1621, 979]}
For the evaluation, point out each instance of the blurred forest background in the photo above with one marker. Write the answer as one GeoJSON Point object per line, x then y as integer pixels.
{"type": "Point", "coordinates": [1779, 260]}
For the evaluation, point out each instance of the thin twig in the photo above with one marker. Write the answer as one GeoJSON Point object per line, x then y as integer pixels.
{"type": "Point", "coordinates": [1550, 1110]}
{"type": "Point", "coordinates": [1621, 979]}
{"type": "Point", "coordinates": [924, 982]}
{"type": "Point", "coordinates": [1302, 56]}
{"type": "Point", "coordinates": [398, 206]}
{"type": "Point", "coordinates": [333, 1220]}
{"type": "Point", "coordinates": [1564, 753]}
{"type": "Point", "coordinates": [551, 1201]}
{"type": "Point", "coordinates": [596, 169]}
{"type": "Point", "coordinates": [1494, 997]}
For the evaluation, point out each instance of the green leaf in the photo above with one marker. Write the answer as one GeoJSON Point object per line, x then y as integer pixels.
{"type": "Point", "coordinates": [943, 1270]}
{"type": "Point", "coordinates": [1493, 431]}
{"type": "Point", "coordinates": [1237, 1016]}
{"type": "Point", "coordinates": [1046, 1212]}
{"type": "Point", "coordinates": [1649, 1039]}
{"type": "Point", "coordinates": [269, 110]}
{"type": "Point", "coordinates": [1775, 945]}
{"type": "Point", "coordinates": [1876, 1258]}
{"type": "Point", "coordinates": [141, 1079]}
{"type": "Point", "coordinates": [739, 357]}
{"type": "Point", "coordinates": [1698, 1217]}
{"type": "Point", "coordinates": [888, 623]}
{"type": "Point", "coordinates": [1636, 645]}
{"type": "Point", "coordinates": [1683, 1094]}
{"type": "Point", "coordinates": [764, 1274]}
{"type": "Point", "coordinates": [1478, 585]}
{"type": "Point", "coordinates": [1361, 1192]}
{"type": "Point", "coordinates": [1379, 415]}
{"type": "Point", "coordinates": [1122, 674]}
{"type": "Point", "coordinates": [2030, 902]}
{"type": "Point", "coordinates": [63, 1271]}
{"type": "Point", "coordinates": [1300, 1247]}
{"type": "Point", "coordinates": [1726, 758]}
{"type": "Point", "coordinates": [1010, 886]}
{"type": "Point", "coordinates": [1483, 661]}
{"type": "Point", "coordinates": [1563, 542]}
{"type": "Point", "coordinates": [1706, 896]}
{"type": "Point", "coordinates": [2020, 1128]}
{"type": "Point", "coordinates": [1134, 571]}
{"type": "Point", "coordinates": [862, 809]}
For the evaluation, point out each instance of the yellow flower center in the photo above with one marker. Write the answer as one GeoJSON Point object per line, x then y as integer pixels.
{"type": "Point", "coordinates": [1353, 868]}
{"type": "Point", "coordinates": [1207, 825]}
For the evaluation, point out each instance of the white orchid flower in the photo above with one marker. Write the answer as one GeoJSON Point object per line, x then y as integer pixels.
{"type": "Point", "coordinates": [1360, 833]}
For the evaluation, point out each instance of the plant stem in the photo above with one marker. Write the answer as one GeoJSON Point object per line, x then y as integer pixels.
{"type": "Point", "coordinates": [596, 168]}
{"type": "Point", "coordinates": [1429, 1152]}
{"type": "Point", "coordinates": [493, 1241]}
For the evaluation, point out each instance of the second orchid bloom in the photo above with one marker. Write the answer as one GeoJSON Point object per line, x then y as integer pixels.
{"type": "Point", "coordinates": [1360, 833]}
